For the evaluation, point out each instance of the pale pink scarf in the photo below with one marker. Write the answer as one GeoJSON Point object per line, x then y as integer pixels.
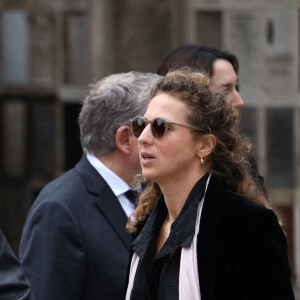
{"type": "Point", "coordinates": [189, 288]}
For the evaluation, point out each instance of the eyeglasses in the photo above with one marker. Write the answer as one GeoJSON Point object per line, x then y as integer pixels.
{"type": "Point", "coordinates": [159, 126]}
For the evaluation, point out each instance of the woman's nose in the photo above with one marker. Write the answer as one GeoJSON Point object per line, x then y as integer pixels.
{"type": "Point", "coordinates": [146, 135]}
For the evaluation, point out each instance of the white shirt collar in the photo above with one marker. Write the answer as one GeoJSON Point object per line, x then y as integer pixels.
{"type": "Point", "coordinates": [117, 184]}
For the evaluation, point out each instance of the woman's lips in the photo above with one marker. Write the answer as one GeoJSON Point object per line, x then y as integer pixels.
{"type": "Point", "coordinates": [146, 158]}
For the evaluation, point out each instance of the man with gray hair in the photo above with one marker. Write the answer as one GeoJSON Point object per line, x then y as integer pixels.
{"type": "Point", "coordinates": [74, 243]}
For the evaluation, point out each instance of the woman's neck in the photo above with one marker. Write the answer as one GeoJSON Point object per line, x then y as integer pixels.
{"type": "Point", "coordinates": [175, 194]}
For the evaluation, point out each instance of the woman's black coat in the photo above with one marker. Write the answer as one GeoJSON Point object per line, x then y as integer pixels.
{"type": "Point", "coordinates": [242, 250]}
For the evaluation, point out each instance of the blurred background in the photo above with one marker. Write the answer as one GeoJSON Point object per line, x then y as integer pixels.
{"type": "Point", "coordinates": [50, 51]}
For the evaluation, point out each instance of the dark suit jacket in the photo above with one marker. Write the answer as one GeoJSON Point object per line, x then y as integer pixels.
{"type": "Point", "coordinates": [242, 251]}
{"type": "Point", "coordinates": [13, 284]}
{"type": "Point", "coordinates": [74, 243]}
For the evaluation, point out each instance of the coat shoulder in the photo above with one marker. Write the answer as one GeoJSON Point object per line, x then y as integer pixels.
{"type": "Point", "coordinates": [239, 211]}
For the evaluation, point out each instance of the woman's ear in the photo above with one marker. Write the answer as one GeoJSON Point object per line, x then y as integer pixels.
{"type": "Point", "coordinates": [206, 145]}
{"type": "Point", "coordinates": [122, 138]}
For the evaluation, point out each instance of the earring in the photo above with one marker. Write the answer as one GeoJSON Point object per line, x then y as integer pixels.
{"type": "Point", "coordinates": [201, 161]}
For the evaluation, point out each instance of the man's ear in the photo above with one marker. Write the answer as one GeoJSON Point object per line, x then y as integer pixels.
{"type": "Point", "coordinates": [122, 138]}
{"type": "Point", "coordinates": [206, 145]}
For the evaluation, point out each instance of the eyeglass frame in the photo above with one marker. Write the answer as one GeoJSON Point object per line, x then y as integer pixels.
{"type": "Point", "coordinates": [167, 125]}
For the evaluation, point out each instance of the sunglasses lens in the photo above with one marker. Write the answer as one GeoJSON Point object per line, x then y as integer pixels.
{"type": "Point", "coordinates": [158, 128]}
{"type": "Point", "coordinates": [137, 126]}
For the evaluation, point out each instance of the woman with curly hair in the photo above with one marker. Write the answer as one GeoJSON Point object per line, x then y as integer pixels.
{"type": "Point", "coordinates": [204, 228]}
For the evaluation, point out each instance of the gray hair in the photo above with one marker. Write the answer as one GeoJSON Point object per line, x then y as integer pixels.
{"type": "Point", "coordinates": [111, 103]}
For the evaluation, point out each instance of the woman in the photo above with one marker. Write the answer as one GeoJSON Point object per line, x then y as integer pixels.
{"type": "Point", "coordinates": [221, 66]}
{"type": "Point", "coordinates": [211, 234]}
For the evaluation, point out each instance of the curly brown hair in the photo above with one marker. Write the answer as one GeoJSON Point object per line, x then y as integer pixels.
{"type": "Point", "coordinates": [207, 110]}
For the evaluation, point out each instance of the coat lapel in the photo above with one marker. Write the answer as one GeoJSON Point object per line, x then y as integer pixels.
{"type": "Point", "coordinates": [211, 264]}
{"type": "Point", "coordinates": [107, 202]}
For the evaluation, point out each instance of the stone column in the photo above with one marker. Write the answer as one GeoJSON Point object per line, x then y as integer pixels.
{"type": "Point", "coordinates": [101, 36]}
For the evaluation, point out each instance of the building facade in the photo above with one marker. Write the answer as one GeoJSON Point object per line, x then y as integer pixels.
{"type": "Point", "coordinates": [51, 50]}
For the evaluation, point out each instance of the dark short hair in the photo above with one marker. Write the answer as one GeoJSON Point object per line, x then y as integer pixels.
{"type": "Point", "coordinates": [197, 57]}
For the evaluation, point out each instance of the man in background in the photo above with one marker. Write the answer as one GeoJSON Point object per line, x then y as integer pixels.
{"type": "Point", "coordinates": [222, 67]}
{"type": "Point", "coordinates": [74, 243]}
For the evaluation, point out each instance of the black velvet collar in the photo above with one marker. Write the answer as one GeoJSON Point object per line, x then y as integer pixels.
{"type": "Point", "coordinates": [182, 230]}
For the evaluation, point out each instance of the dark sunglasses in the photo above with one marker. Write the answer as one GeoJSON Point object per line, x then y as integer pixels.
{"type": "Point", "coordinates": [159, 126]}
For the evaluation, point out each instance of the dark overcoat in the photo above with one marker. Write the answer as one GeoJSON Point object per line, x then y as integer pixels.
{"type": "Point", "coordinates": [241, 251]}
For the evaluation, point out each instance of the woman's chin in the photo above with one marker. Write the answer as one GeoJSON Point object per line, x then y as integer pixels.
{"type": "Point", "coordinates": [149, 175]}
